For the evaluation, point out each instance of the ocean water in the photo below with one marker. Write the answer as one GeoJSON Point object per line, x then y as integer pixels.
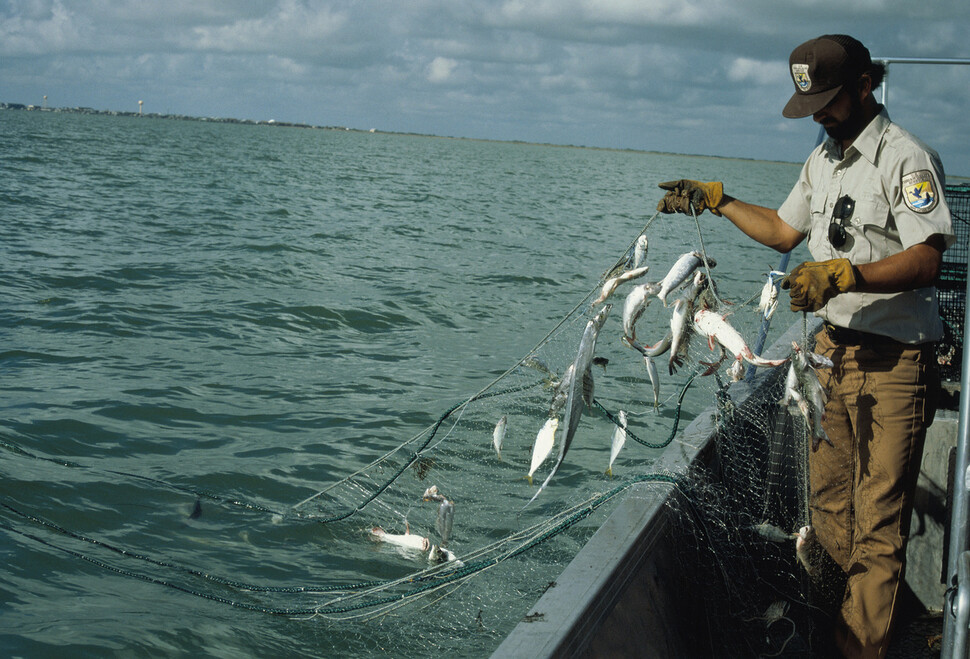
{"type": "Point", "coordinates": [257, 312]}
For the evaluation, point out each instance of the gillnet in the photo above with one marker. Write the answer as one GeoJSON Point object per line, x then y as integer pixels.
{"type": "Point", "coordinates": [760, 592]}
{"type": "Point", "coordinates": [409, 542]}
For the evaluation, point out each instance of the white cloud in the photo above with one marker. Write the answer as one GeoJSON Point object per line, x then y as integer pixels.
{"type": "Point", "coordinates": [289, 26]}
{"type": "Point", "coordinates": [440, 69]}
{"type": "Point", "coordinates": [743, 69]}
{"type": "Point", "coordinates": [595, 72]}
{"type": "Point", "coordinates": [619, 12]}
{"type": "Point", "coordinates": [41, 28]}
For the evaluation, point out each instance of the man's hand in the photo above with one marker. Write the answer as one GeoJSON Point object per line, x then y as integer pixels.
{"type": "Point", "coordinates": [683, 194]}
{"type": "Point", "coordinates": [814, 283]}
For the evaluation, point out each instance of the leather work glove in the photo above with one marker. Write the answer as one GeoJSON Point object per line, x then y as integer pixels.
{"type": "Point", "coordinates": [814, 283]}
{"type": "Point", "coordinates": [685, 192]}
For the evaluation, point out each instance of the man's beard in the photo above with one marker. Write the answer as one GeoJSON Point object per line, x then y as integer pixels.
{"type": "Point", "coordinates": [851, 126]}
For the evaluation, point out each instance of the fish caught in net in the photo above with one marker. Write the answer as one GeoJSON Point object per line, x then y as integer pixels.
{"type": "Point", "coordinates": [515, 477]}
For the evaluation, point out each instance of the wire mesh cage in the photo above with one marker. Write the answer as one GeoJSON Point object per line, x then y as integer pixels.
{"type": "Point", "coordinates": [952, 285]}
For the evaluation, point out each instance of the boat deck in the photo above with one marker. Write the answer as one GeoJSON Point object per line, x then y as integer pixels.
{"type": "Point", "coordinates": [918, 638]}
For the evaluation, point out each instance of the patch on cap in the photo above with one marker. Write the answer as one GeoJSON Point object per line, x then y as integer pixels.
{"type": "Point", "coordinates": [800, 73]}
{"type": "Point", "coordinates": [918, 191]}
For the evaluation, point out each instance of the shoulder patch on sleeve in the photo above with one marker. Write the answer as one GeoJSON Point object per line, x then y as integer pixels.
{"type": "Point", "coordinates": [919, 191]}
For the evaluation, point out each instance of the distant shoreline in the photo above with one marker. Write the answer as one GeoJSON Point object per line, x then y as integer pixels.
{"type": "Point", "coordinates": [962, 180]}
{"type": "Point", "coordinates": [289, 124]}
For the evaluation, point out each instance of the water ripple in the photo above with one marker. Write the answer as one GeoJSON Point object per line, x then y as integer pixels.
{"type": "Point", "coordinates": [258, 312]}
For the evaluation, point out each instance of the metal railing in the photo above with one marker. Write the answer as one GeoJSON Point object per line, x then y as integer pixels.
{"type": "Point", "coordinates": [910, 60]}
{"type": "Point", "coordinates": [956, 609]}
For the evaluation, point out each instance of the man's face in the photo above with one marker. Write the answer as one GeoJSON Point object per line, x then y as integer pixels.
{"type": "Point", "coordinates": [843, 118]}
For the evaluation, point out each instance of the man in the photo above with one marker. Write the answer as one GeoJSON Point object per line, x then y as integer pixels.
{"type": "Point", "coordinates": [870, 201]}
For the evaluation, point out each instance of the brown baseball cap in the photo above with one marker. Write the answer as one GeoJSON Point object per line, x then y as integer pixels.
{"type": "Point", "coordinates": [820, 68]}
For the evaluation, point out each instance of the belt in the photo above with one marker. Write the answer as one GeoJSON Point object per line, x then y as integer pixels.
{"type": "Point", "coordinates": [853, 337]}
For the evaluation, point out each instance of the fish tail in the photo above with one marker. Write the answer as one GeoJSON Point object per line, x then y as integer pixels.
{"type": "Point", "coordinates": [674, 364]}
{"type": "Point", "coordinates": [609, 471]}
{"type": "Point", "coordinates": [534, 496]}
{"type": "Point", "coordinates": [528, 477]}
{"type": "Point", "coordinates": [544, 483]}
{"type": "Point", "coordinates": [760, 361]}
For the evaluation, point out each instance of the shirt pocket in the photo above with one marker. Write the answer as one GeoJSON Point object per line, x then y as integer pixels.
{"type": "Point", "coordinates": [818, 239]}
{"type": "Point", "coordinates": [875, 229]}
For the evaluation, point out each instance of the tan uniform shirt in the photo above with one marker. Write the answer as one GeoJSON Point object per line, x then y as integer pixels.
{"type": "Point", "coordinates": [897, 184]}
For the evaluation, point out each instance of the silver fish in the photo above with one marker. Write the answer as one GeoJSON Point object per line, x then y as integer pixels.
{"type": "Point", "coordinates": [680, 271]}
{"type": "Point", "coordinates": [446, 513]}
{"type": "Point", "coordinates": [818, 361]}
{"type": "Point", "coordinates": [772, 532]}
{"type": "Point", "coordinates": [769, 294]}
{"type": "Point", "coordinates": [678, 332]}
{"type": "Point", "coordinates": [657, 349]}
{"type": "Point", "coordinates": [438, 555]}
{"type": "Point", "coordinates": [798, 405]}
{"type": "Point", "coordinates": [619, 438]}
{"type": "Point", "coordinates": [654, 380]}
{"type": "Point", "coordinates": [791, 385]}
{"type": "Point", "coordinates": [546, 437]}
{"type": "Point", "coordinates": [580, 387]}
{"type": "Point", "coordinates": [613, 282]}
{"type": "Point", "coordinates": [634, 306]}
{"type": "Point", "coordinates": [804, 544]}
{"type": "Point", "coordinates": [680, 321]}
{"type": "Point", "coordinates": [640, 251]}
{"type": "Point", "coordinates": [803, 372]}
{"type": "Point", "coordinates": [804, 393]}
{"type": "Point", "coordinates": [407, 540]}
{"type": "Point", "coordinates": [444, 521]}
{"type": "Point", "coordinates": [498, 435]}
{"type": "Point", "coordinates": [543, 445]}
{"type": "Point", "coordinates": [680, 326]}
{"type": "Point", "coordinates": [716, 328]}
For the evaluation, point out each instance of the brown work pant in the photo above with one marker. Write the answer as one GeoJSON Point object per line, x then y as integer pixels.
{"type": "Point", "coordinates": [882, 397]}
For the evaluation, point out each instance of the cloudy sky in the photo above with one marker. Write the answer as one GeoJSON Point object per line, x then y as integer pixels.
{"type": "Point", "coordinates": [689, 76]}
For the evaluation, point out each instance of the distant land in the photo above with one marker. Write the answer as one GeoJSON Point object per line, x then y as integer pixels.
{"type": "Point", "coordinates": [270, 122]}
{"type": "Point", "coordinates": [177, 117]}
{"type": "Point", "coordinates": [961, 180]}
{"type": "Point", "coordinates": [288, 124]}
